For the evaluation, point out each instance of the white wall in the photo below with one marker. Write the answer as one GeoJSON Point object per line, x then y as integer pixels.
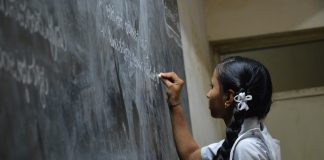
{"type": "Point", "coordinates": [240, 18]}
{"type": "Point", "coordinates": [198, 69]}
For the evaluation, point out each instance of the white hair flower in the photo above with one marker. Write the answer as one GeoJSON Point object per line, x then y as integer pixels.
{"type": "Point", "coordinates": [241, 100]}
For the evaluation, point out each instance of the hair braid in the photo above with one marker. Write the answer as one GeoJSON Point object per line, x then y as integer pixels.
{"type": "Point", "coordinates": [232, 132]}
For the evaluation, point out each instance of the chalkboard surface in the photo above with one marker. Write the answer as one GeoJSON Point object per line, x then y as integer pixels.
{"type": "Point", "coordinates": [78, 79]}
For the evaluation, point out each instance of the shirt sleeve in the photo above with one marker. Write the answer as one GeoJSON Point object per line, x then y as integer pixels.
{"type": "Point", "coordinates": [208, 152]}
{"type": "Point", "coordinates": [251, 148]}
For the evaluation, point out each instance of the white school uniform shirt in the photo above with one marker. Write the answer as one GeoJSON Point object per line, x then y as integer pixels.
{"type": "Point", "coordinates": [252, 144]}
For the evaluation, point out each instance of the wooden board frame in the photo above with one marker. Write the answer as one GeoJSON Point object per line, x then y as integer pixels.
{"type": "Point", "coordinates": [227, 46]}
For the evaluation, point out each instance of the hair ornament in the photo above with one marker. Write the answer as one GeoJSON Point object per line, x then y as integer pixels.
{"type": "Point", "coordinates": [241, 100]}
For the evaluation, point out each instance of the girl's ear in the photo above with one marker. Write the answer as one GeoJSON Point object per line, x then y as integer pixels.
{"type": "Point", "coordinates": [229, 97]}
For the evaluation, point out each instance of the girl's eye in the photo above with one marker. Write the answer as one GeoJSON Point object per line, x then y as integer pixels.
{"type": "Point", "coordinates": [211, 86]}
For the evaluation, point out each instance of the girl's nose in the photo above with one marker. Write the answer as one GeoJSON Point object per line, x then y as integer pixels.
{"type": "Point", "coordinates": [207, 95]}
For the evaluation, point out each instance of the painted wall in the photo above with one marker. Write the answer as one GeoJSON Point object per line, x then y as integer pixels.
{"type": "Point", "coordinates": [198, 67]}
{"type": "Point", "coordinates": [240, 18]}
{"type": "Point", "coordinates": [300, 115]}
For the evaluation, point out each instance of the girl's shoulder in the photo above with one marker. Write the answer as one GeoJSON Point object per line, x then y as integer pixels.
{"type": "Point", "coordinates": [256, 144]}
{"type": "Point", "coordinates": [251, 147]}
{"type": "Point", "coordinates": [208, 152]}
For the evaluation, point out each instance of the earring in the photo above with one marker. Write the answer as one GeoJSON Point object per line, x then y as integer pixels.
{"type": "Point", "coordinates": [227, 105]}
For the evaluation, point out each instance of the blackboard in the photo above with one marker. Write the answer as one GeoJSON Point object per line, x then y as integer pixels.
{"type": "Point", "coordinates": [78, 79]}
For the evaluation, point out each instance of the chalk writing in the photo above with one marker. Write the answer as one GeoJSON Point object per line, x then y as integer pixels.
{"type": "Point", "coordinates": [170, 15]}
{"type": "Point", "coordinates": [28, 74]}
{"type": "Point", "coordinates": [129, 56]}
{"type": "Point", "coordinates": [31, 20]}
{"type": "Point", "coordinates": [27, 95]}
{"type": "Point", "coordinates": [120, 46]}
{"type": "Point", "coordinates": [112, 15]}
{"type": "Point", "coordinates": [172, 25]}
{"type": "Point", "coordinates": [173, 34]}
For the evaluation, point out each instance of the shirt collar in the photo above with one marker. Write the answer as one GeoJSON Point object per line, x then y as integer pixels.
{"type": "Point", "coordinates": [250, 123]}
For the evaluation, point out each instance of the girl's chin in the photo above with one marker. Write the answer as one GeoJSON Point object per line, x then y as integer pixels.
{"type": "Point", "coordinates": [213, 115]}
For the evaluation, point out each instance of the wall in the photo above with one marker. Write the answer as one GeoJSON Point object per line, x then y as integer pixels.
{"type": "Point", "coordinates": [240, 18]}
{"type": "Point", "coordinates": [198, 69]}
{"type": "Point", "coordinates": [300, 115]}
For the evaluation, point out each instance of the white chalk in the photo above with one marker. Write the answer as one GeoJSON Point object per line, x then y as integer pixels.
{"type": "Point", "coordinates": [159, 75]}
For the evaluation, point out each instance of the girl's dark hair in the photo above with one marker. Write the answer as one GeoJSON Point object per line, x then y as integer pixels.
{"type": "Point", "coordinates": [243, 75]}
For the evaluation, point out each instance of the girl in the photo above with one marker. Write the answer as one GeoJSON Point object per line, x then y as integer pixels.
{"type": "Point", "coordinates": [240, 94]}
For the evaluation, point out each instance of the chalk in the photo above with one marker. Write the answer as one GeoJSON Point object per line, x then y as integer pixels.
{"type": "Point", "coordinates": [159, 75]}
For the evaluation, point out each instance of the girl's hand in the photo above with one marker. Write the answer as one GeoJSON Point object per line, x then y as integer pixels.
{"type": "Point", "coordinates": [174, 85]}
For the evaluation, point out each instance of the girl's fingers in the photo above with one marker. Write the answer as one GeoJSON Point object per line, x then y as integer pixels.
{"type": "Point", "coordinates": [171, 76]}
{"type": "Point", "coordinates": [166, 82]}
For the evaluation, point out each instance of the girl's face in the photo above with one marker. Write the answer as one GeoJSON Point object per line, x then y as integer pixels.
{"type": "Point", "coordinates": [216, 99]}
